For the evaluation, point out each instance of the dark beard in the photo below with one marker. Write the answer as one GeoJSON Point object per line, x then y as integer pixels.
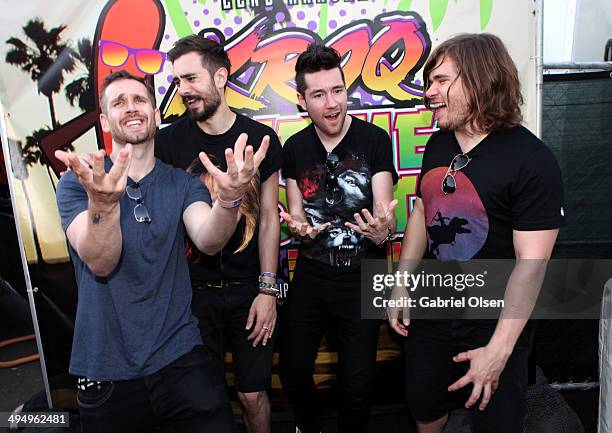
{"type": "Point", "coordinates": [210, 108]}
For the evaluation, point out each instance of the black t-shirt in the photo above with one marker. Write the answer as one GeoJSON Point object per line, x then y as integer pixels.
{"type": "Point", "coordinates": [335, 195]}
{"type": "Point", "coordinates": [512, 182]}
{"type": "Point", "coordinates": [179, 144]}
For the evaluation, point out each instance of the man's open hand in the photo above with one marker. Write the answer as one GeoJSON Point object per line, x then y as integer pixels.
{"type": "Point", "coordinates": [486, 365]}
{"type": "Point", "coordinates": [102, 188]}
{"type": "Point", "coordinates": [242, 165]}
{"type": "Point", "coordinates": [302, 230]}
{"type": "Point", "coordinates": [375, 229]}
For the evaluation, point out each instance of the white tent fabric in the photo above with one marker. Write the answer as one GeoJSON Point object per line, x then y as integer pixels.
{"type": "Point", "coordinates": [605, 361]}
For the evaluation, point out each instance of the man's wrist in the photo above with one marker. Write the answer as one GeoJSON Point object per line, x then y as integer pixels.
{"type": "Point", "coordinates": [269, 292]}
{"type": "Point", "coordinates": [503, 347]}
{"type": "Point", "coordinates": [389, 236]}
{"type": "Point", "coordinates": [102, 209]}
{"type": "Point", "coordinates": [229, 203]}
{"type": "Point", "coordinates": [267, 284]}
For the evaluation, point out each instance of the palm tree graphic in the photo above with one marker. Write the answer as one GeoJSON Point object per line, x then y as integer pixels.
{"type": "Point", "coordinates": [81, 90]}
{"type": "Point", "coordinates": [46, 58]}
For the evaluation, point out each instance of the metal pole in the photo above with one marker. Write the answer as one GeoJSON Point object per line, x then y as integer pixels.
{"type": "Point", "coordinates": [24, 261]}
{"type": "Point", "coordinates": [606, 66]}
{"type": "Point", "coordinates": [539, 64]}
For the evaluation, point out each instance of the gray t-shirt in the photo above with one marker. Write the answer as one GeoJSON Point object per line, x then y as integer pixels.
{"type": "Point", "coordinates": [138, 319]}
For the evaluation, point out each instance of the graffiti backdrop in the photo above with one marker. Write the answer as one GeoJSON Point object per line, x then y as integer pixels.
{"type": "Point", "coordinates": [55, 57]}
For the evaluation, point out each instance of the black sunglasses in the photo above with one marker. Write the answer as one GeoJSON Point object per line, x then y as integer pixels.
{"type": "Point", "coordinates": [141, 213]}
{"type": "Point", "coordinates": [333, 194]}
{"type": "Point", "coordinates": [449, 184]}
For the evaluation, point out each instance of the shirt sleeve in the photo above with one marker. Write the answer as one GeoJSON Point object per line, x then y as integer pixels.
{"type": "Point", "coordinates": [196, 191]}
{"type": "Point", "coordinates": [273, 160]}
{"type": "Point", "coordinates": [538, 193]}
{"type": "Point", "coordinates": [383, 155]}
{"type": "Point", "coordinates": [71, 199]}
{"type": "Point", "coordinates": [288, 161]}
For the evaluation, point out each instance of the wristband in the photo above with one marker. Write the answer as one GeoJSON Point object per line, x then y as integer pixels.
{"type": "Point", "coordinates": [229, 204]}
{"type": "Point", "coordinates": [270, 289]}
{"type": "Point", "coordinates": [268, 286]}
{"type": "Point", "coordinates": [270, 292]}
{"type": "Point", "coordinates": [390, 236]}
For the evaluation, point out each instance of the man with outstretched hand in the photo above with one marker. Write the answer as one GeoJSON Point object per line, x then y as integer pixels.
{"type": "Point", "coordinates": [234, 290]}
{"type": "Point", "coordinates": [137, 351]}
{"type": "Point", "coordinates": [339, 178]}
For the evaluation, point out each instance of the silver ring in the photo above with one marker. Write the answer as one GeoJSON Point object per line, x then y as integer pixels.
{"type": "Point", "coordinates": [266, 328]}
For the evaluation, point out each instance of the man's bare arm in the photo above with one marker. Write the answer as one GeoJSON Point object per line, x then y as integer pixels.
{"type": "Point", "coordinates": [269, 225]}
{"type": "Point", "coordinates": [210, 228]}
{"type": "Point", "coordinates": [414, 246]}
{"type": "Point", "coordinates": [533, 250]}
{"type": "Point", "coordinates": [262, 313]}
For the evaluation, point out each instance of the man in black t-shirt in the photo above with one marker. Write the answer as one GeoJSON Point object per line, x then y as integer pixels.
{"type": "Point", "coordinates": [339, 178]}
{"type": "Point", "coordinates": [488, 189]}
{"type": "Point", "coordinates": [234, 291]}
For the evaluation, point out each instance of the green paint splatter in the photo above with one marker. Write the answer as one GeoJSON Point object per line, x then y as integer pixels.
{"type": "Point", "coordinates": [486, 8]}
{"type": "Point", "coordinates": [404, 5]}
{"type": "Point", "coordinates": [202, 2]}
{"type": "Point", "coordinates": [437, 10]}
{"type": "Point", "coordinates": [323, 22]}
{"type": "Point", "coordinates": [177, 16]}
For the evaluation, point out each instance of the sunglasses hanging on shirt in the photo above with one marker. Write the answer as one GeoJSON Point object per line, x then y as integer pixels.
{"type": "Point", "coordinates": [141, 213]}
{"type": "Point", "coordinates": [333, 193]}
{"type": "Point", "coordinates": [449, 183]}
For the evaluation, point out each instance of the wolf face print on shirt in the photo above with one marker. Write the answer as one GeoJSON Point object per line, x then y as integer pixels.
{"type": "Point", "coordinates": [334, 196]}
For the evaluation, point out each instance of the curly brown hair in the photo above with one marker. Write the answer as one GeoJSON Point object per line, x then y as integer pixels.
{"type": "Point", "coordinates": [489, 76]}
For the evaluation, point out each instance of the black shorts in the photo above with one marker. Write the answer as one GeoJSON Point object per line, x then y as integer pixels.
{"type": "Point", "coordinates": [222, 313]}
{"type": "Point", "coordinates": [430, 370]}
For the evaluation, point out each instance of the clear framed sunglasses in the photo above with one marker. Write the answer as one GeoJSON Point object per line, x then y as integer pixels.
{"type": "Point", "coordinates": [141, 213]}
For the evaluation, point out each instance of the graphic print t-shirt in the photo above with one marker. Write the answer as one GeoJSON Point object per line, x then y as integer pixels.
{"type": "Point", "coordinates": [335, 195]}
{"type": "Point", "coordinates": [178, 145]}
{"type": "Point", "coordinates": [512, 182]}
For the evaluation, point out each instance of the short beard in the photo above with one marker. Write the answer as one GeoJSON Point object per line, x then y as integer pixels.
{"type": "Point", "coordinates": [210, 108]}
{"type": "Point", "coordinates": [121, 138]}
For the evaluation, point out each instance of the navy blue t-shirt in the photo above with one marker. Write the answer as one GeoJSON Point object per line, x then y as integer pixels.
{"type": "Point", "coordinates": [138, 319]}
